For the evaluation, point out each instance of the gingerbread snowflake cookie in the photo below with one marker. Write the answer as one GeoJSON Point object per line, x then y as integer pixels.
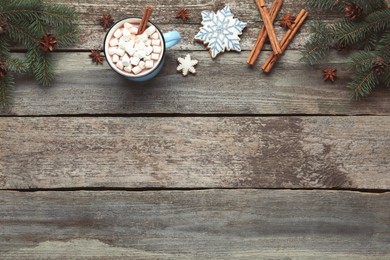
{"type": "Point", "coordinates": [220, 31]}
{"type": "Point", "coordinates": [187, 65]}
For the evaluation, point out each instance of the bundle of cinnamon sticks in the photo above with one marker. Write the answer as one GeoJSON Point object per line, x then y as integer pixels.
{"type": "Point", "coordinates": [269, 31]}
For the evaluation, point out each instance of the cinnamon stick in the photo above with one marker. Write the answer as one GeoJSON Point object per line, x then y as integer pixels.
{"type": "Point", "coordinates": [268, 26]}
{"type": "Point", "coordinates": [285, 42]}
{"type": "Point", "coordinates": [145, 19]}
{"type": "Point", "coordinates": [256, 50]}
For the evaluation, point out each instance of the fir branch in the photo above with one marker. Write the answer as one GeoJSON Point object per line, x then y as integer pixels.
{"type": "Point", "coordinates": [28, 21]}
{"type": "Point", "coordinates": [65, 36]}
{"type": "Point", "coordinates": [18, 33]}
{"type": "Point", "coordinates": [41, 66]}
{"type": "Point", "coordinates": [363, 84]}
{"type": "Point", "coordinates": [349, 32]}
{"type": "Point", "coordinates": [4, 48]}
{"type": "Point", "coordinates": [325, 4]}
{"type": "Point", "coordinates": [17, 65]}
{"type": "Point", "coordinates": [362, 61]}
{"type": "Point", "coordinates": [368, 5]}
{"type": "Point", "coordinates": [386, 79]}
{"type": "Point", "coordinates": [384, 45]}
{"type": "Point", "coordinates": [6, 90]}
{"type": "Point", "coordinates": [319, 44]}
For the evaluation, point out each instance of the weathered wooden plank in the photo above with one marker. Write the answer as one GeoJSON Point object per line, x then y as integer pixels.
{"type": "Point", "coordinates": [92, 37]}
{"type": "Point", "coordinates": [92, 34]}
{"type": "Point", "coordinates": [222, 86]}
{"type": "Point", "coordinates": [165, 11]}
{"type": "Point", "coordinates": [214, 224]}
{"type": "Point", "coordinates": [288, 152]}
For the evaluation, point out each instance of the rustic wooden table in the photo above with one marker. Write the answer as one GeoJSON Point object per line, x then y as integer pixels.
{"type": "Point", "coordinates": [229, 163]}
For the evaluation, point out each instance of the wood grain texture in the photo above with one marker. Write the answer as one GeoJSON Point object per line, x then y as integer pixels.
{"type": "Point", "coordinates": [292, 88]}
{"type": "Point", "coordinates": [92, 35]}
{"type": "Point", "coordinates": [213, 224]}
{"type": "Point", "coordinates": [243, 152]}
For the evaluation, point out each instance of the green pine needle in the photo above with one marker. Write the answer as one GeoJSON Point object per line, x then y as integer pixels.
{"type": "Point", "coordinates": [28, 21]}
{"type": "Point", "coordinates": [370, 32]}
{"type": "Point", "coordinates": [363, 84]}
{"type": "Point", "coordinates": [349, 32]}
{"type": "Point", "coordinates": [319, 44]}
{"type": "Point", "coordinates": [6, 90]}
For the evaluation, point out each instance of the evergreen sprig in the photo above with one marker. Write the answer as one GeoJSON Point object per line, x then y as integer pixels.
{"type": "Point", "coordinates": [27, 21]}
{"type": "Point", "coordinates": [370, 33]}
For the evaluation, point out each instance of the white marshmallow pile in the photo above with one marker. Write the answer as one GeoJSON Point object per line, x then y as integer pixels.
{"type": "Point", "coordinates": [134, 53]}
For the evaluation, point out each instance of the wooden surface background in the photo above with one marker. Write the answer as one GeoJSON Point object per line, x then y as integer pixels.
{"type": "Point", "coordinates": [227, 164]}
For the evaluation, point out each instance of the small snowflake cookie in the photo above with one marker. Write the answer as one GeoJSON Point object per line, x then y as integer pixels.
{"type": "Point", "coordinates": [187, 65]}
{"type": "Point", "coordinates": [220, 31]}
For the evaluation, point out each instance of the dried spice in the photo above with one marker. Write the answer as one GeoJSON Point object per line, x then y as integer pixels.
{"type": "Point", "coordinates": [106, 21]}
{"type": "Point", "coordinates": [287, 21]}
{"type": "Point", "coordinates": [96, 56]}
{"type": "Point", "coordinates": [183, 13]}
{"type": "Point", "coordinates": [329, 74]}
{"type": "Point", "coordinates": [48, 42]}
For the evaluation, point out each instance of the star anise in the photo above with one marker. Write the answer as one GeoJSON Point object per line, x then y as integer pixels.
{"type": "Point", "coordinates": [96, 57]}
{"type": "Point", "coordinates": [106, 21]}
{"type": "Point", "coordinates": [3, 25]}
{"type": "Point", "coordinates": [3, 70]}
{"type": "Point", "coordinates": [329, 74]}
{"type": "Point", "coordinates": [48, 42]}
{"type": "Point", "coordinates": [287, 21]}
{"type": "Point", "coordinates": [183, 13]}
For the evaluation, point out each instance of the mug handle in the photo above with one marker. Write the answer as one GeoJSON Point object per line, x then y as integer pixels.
{"type": "Point", "coordinates": [171, 39]}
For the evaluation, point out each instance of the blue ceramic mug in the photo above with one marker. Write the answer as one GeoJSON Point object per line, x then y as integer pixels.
{"type": "Point", "coordinates": [169, 40]}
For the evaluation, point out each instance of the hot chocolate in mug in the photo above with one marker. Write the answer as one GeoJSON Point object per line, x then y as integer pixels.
{"type": "Point", "coordinates": [144, 54]}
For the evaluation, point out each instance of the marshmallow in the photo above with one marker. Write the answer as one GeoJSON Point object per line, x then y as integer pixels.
{"type": "Point", "coordinates": [128, 69]}
{"type": "Point", "coordinates": [134, 61]}
{"type": "Point", "coordinates": [114, 42]}
{"type": "Point", "coordinates": [120, 52]}
{"type": "Point", "coordinates": [133, 30]}
{"type": "Point", "coordinates": [118, 33]}
{"type": "Point", "coordinates": [130, 50]}
{"type": "Point", "coordinates": [155, 56]}
{"type": "Point", "coordinates": [127, 25]}
{"type": "Point", "coordinates": [136, 70]}
{"type": "Point", "coordinates": [141, 64]}
{"type": "Point", "coordinates": [156, 42]}
{"type": "Point", "coordinates": [157, 49]}
{"type": "Point", "coordinates": [149, 50]}
{"type": "Point", "coordinates": [147, 58]}
{"type": "Point", "coordinates": [140, 46]}
{"type": "Point", "coordinates": [115, 58]}
{"type": "Point", "coordinates": [126, 35]}
{"type": "Point", "coordinates": [140, 54]}
{"type": "Point", "coordinates": [150, 30]}
{"type": "Point", "coordinates": [112, 50]}
{"type": "Point", "coordinates": [155, 36]}
{"type": "Point", "coordinates": [149, 64]}
{"type": "Point", "coordinates": [125, 60]}
{"type": "Point", "coordinates": [131, 43]}
{"type": "Point", "coordinates": [143, 37]}
{"type": "Point", "coordinates": [122, 43]}
{"type": "Point", "coordinates": [119, 65]}
{"type": "Point", "coordinates": [148, 42]}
